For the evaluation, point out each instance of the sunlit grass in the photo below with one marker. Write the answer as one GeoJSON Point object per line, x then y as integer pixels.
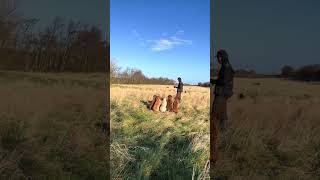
{"type": "Point", "coordinates": [158, 145]}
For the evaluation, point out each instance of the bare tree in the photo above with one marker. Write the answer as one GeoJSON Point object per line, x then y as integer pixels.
{"type": "Point", "coordinates": [7, 9]}
{"type": "Point", "coordinates": [59, 47]}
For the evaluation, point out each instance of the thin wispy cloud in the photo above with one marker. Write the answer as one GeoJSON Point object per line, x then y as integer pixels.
{"type": "Point", "coordinates": [180, 32]}
{"type": "Point", "coordinates": [168, 43]}
{"type": "Point", "coordinates": [164, 34]}
{"type": "Point", "coordinates": [164, 43]}
{"type": "Point", "coordinates": [137, 35]}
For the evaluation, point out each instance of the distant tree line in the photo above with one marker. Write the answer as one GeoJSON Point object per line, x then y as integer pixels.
{"type": "Point", "coordinates": [205, 84]}
{"type": "Point", "coordinates": [238, 73]}
{"type": "Point", "coordinates": [61, 46]}
{"type": "Point", "coordinates": [304, 73]}
{"type": "Point", "coordinates": [134, 76]}
{"type": "Point", "coordinates": [245, 73]}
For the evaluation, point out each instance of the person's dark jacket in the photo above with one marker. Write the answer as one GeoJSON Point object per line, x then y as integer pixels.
{"type": "Point", "coordinates": [224, 82]}
{"type": "Point", "coordinates": [179, 87]}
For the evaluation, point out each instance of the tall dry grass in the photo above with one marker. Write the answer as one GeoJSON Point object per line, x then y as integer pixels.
{"type": "Point", "coordinates": [155, 145]}
{"type": "Point", "coordinates": [273, 131]}
{"type": "Point", "coordinates": [48, 126]}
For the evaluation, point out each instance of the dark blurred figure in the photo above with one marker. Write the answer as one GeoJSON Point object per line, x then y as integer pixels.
{"type": "Point", "coordinates": [179, 89]}
{"type": "Point", "coordinates": [223, 90]}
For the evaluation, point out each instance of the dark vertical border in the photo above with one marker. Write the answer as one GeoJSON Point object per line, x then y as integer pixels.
{"type": "Point", "coordinates": [211, 87]}
{"type": "Point", "coordinates": [107, 115]}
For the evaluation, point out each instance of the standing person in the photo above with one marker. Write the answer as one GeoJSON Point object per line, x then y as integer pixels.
{"type": "Point", "coordinates": [179, 89]}
{"type": "Point", "coordinates": [223, 90]}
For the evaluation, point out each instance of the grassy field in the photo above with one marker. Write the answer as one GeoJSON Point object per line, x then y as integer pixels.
{"type": "Point", "coordinates": [155, 145]}
{"type": "Point", "coordinates": [49, 126]}
{"type": "Point", "coordinates": [273, 131]}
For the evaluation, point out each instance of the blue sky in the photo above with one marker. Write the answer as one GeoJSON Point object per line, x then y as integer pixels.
{"type": "Point", "coordinates": [259, 35]}
{"type": "Point", "coordinates": [265, 35]}
{"type": "Point", "coordinates": [93, 12]}
{"type": "Point", "coordinates": [162, 38]}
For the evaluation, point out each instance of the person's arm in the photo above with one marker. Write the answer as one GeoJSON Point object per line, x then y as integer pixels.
{"type": "Point", "coordinates": [221, 77]}
{"type": "Point", "coordinates": [179, 85]}
{"type": "Point", "coordinates": [213, 81]}
{"type": "Point", "coordinates": [225, 76]}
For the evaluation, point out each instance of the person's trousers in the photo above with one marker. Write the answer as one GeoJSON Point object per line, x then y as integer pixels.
{"type": "Point", "coordinates": [218, 116]}
{"type": "Point", "coordinates": [219, 111]}
{"type": "Point", "coordinates": [178, 96]}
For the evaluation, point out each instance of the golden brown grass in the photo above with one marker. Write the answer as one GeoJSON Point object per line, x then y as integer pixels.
{"type": "Point", "coordinates": [195, 97]}
{"type": "Point", "coordinates": [147, 144]}
{"type": "Point", "coordinates": [273, 132]}
{"type": "Point", "coordinates": [48, 126]}
{"type": "Point", "coordinates": [48, 129]}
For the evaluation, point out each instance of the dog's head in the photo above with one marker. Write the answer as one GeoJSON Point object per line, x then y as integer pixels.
{"type": "Point", "coordinates": [154, 97]}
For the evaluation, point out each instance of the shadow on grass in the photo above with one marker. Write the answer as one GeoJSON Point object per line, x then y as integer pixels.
{"type": "Point", "coordinates": [146, 103]}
